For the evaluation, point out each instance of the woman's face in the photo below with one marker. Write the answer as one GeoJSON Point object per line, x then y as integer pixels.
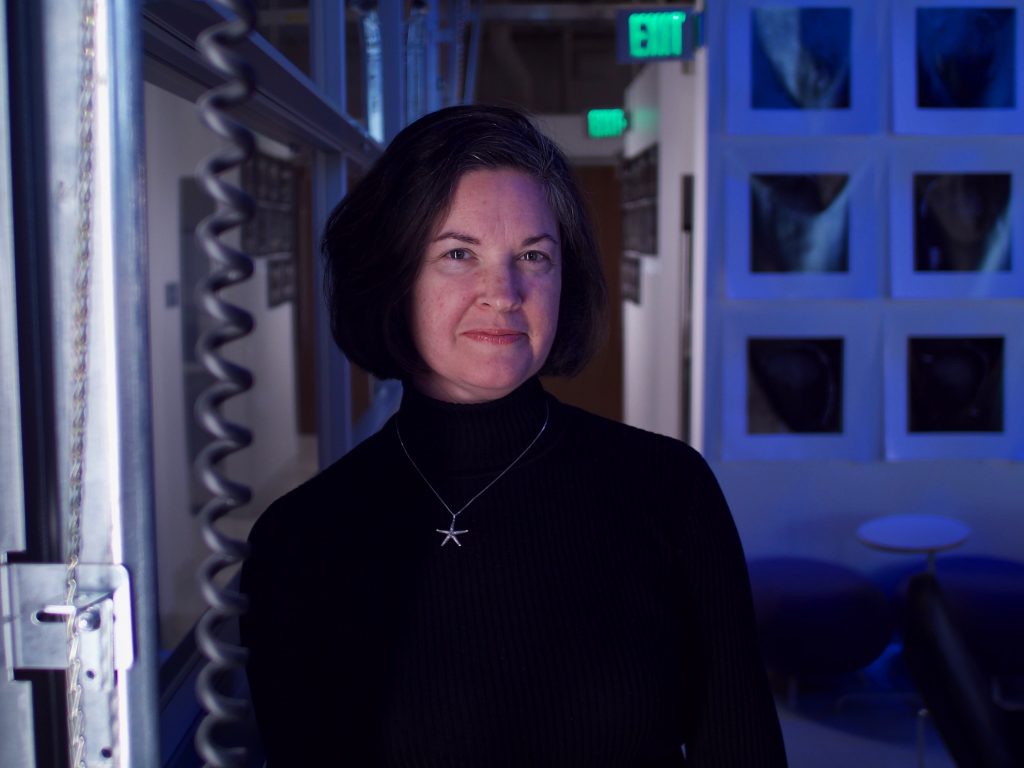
{"type": "Point", "coordinates": [485, 301]}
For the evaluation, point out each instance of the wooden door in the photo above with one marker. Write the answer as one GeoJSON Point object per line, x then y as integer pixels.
{"type": "Point", "coordinates": [599, 387]}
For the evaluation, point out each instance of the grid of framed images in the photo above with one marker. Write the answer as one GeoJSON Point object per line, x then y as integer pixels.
{"type": "Point", "coordinates": [872, 203]}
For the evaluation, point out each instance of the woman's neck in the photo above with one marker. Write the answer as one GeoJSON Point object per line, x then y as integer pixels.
{"type": "Point", "coordinates": [469, 438]}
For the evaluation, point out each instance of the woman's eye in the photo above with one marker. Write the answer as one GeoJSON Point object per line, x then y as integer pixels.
{"type": "Point", "coordinates": [534, 256]}
{"type": "Point", "coordinates": [457, 254]}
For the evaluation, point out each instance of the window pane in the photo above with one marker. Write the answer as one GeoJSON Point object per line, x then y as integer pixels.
{"type": "Point", "coordinates": [285, 25]}
{"type": "Point", "coordinates": [355, 66]}
{"type": "Point", "coordinates": [282, 452]}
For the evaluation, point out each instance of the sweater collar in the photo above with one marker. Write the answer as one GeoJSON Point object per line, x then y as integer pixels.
{"type": "Point", "coordinates": [481, 437]}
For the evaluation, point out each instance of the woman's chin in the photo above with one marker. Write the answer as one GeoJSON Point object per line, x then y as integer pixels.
{"type": "Point", "coordinates": [476, 387]}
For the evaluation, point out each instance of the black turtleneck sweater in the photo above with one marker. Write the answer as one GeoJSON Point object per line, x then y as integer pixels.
{"type": "Point", "coordinates": [597, 612]}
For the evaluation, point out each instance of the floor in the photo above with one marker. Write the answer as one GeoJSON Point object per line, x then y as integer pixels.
{"type": "Point", "coordinates": [870, 720]}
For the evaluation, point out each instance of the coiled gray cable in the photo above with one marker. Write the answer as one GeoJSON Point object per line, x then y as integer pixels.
{"type": "Point", "coordinates": [228, 267]}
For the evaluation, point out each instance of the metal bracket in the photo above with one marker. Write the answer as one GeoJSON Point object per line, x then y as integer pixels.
{"type": "Point", "coordinates": [35, 636]}
{"type": "Point", "coordinates": [38, 617]}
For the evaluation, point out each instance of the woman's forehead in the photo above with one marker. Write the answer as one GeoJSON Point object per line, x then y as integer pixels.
{"type": "Point", "coordinates": [506, 195]}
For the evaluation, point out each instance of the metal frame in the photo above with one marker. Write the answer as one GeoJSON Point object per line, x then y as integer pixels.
{"type": "Point", "coordinates": [327, 50]}
{"type": "Point", "coordinates": [392, 38]}
{"type": "Point", "coordinates": [333, 397]}
{"type": "Point", "coordinates": [126, 255]}
{"type": "Point", "coordinates": [12, 523]}
{"type": "Point", "coordinates": [433, 79]}
{"type": "Point", "coordinates": [418, 43]}
{"type": "Point", "coordinates": [370, 35]}
{"type": "Point", "coordinates": [40, 730]}
{"type": "Point", "coordinates": [473, 56]}
{"type": "Point", "coordinates": [16, 725]}
{"type": "Point", "coordinates": [117, 511]}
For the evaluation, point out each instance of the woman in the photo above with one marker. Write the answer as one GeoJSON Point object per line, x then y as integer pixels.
{"type": "Point", "coordinates": [495, 578]}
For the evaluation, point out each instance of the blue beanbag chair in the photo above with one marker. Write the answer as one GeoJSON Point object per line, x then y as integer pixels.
{"type": "Point", "coordinates": [817, 618]}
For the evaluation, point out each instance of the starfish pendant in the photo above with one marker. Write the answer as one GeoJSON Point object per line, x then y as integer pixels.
{"type": "Point", "coordinates": [450, 535]}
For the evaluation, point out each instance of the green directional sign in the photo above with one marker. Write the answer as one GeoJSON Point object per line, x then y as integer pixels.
{"type": "Point", "coordinates": [658, 33]}
{"type": "Point", "coordinates": [606, 123]}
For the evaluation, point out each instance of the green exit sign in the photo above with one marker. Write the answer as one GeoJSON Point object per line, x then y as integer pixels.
{"type": "Point", "coordinates": [656, 34]}
{"type": "Point", "coordinates": [606, 123]}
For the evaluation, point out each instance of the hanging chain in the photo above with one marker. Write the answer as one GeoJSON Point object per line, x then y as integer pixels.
{"type": "Point", "coordinates": [79, 375]}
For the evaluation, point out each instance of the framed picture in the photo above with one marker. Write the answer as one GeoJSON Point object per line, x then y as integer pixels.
{"type": "Point", "coordinates": [640, 203]}
{"type": "Point", "coordinates": [271, 183]}
{"type": "Point", "coordinates": [803, 67]}
{"type": "Point", "coordinates": [956, 223]}
{"type": "Point", "coordinates": [953, 374]}
{"type": "Point", "coordinates": [280, 281]}
{"type": "Point", "coordinates": [962, 72]}
{"type": "Point", "coordinates": [796, 391]}
{"type": "Point", "coordinates": [802, 221]}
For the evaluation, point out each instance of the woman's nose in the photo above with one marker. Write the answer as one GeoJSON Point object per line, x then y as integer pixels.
{"type": "Point", "coordinates": [501, 290]}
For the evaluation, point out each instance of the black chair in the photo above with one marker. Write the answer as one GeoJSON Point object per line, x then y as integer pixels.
{"type": "Point", "coordinates": [958, 696]}
{"type": "Point", "coordinates": [816, 619]}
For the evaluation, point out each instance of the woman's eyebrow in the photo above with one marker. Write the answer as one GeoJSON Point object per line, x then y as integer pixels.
{"type": "Point", "coordinates": [464, 238]}
{"type": "Point", "coordinates": [460, 236]}
{"type": "Point", "coordinates": [537, 238]}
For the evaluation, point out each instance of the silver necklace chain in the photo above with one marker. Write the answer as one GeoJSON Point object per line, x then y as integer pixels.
{"type": "Point", "coordinates": [450, 534]}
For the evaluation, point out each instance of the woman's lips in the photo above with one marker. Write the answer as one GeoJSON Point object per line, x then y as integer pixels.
{"type": "Point", "coordinates": [496, 336]}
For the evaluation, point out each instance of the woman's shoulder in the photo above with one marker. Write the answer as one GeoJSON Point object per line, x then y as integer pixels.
{"type": "Point", "coordinates": [664, 476]}
{"type": "Point", "coordinates": [616, 439]}
{"type": "Point", "coordinates": [318, 499]}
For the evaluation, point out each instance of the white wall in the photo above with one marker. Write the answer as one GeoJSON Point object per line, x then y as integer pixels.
{"type": "Point", "coordinates": [175, 143]}
{"type": "Point", "coordinates": [569, 132]}
{"type": "Point", "coordinates": [269, 408]}
{"type": "Point", "coordinates": [662, 104]}
{"type": "Point", "coordinates": [814, 507]}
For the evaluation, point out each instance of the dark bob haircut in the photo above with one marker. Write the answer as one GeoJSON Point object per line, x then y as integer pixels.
{"type": "Point", "coordinates": [374, 239]}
